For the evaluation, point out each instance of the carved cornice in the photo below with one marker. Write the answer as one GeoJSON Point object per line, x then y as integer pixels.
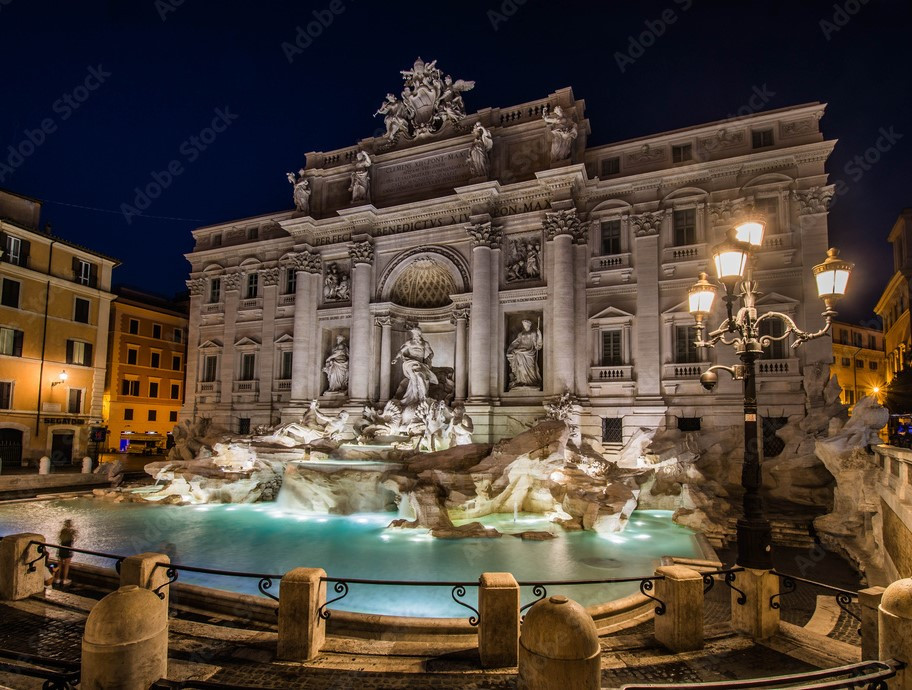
{"type": "Point", "coordinates": [361, 252]}
{"type": "Point", "coordinates": [196, 286]}
{"type": "Point", "coordinates": [231, 281]}
{"type": "Point", "coordinates": [485, 235]}
{"type": "Point", "coordinates": [813, 200]}
{"type": "Point", "coordinates": [648, 223]}
{"type": "Point", "coordinates": [306, 261]}
{"type": "Point", "coordinates": [564, 222]}
{"type": "Point", "coordinates": [269, 276]}
{"type": "Point", "coordinates": [727, 210]}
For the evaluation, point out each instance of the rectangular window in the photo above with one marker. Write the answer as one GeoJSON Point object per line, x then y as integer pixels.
{"type": "Point", "coordinates": [6, 395]}
{"type": "Point", "coordinates": [685, 349]}
{"type": "Point", "coordinates": [684, 224]}
{"type": "Point", "coordinates": [244, 425]}
{"type": "Point", "coordinates": [872, 366]}
{"type": "Point", "coordinates": [682, 153]}
{"type": "Point", "coordinates": [17, 251]}
{"type": "Point", "coordinates": [155, 360]}
{"type": "Point", "coordinates": [778, 349]}
{"type": "Point", "coordinates": [153, 389]}
{"type": "Point", "coordinates": [153, 415]}
{"type": "Point", "coordinates": [172, 416]}
{"type": "Point", "coordinates": [291, 281]}
{"type": "Point", "coordinates": [79, 353]}
{"type": "Point", "coordinates": [846, 362]}
{"type": "Point", "coordinates": [859, 364]}
{"type": "Point", "coordinates": [156, 331]}
{"type": "Point", "coordinates": [612, 430]}
{"type": "Point", "coordinates": [74, 402]}
{"type": "Point", "coordinates": [132, 355]}
{"type": "Point", "coordinates": [761, 138]}
{"type": "Point", "coordinates": [82, 271]}
{"type": "Point", "coordinates": [768, 210]}
{"type": "Point", "coordinates": [133, 326]}
{"type": "Point", "coordinates": [215, 290]}
{"type": "Point", "coordinates": [10, 293]}
{"type": "Point", "coordinates": [611, 348]}
{"type": "Point", "coordinates": [175, 391]}
{"type": "Point", "coordinates": [856, 338]}
{"type": "Point", "coordinates": [11, 342]}
{"type": "Point", "coordinates": [689, 423]}
{"type": "Point", "coordinates": [872, 342]}
{"type": "Point", "coordinates": [81, 310]}
{"type": "Point", "coordinates": [611, 237]}
{"type": "Point", "coordinates": [253, 285]}
{"type": "Point", "coordinates": [210, 368]}
{"type": "Point", "coordinates": [129, 387]}
{"type": "Point", "coordinates": [178, 335]}
{"type": "Point", "coordinates": [849, 396]}
{"type": "Point", "coordinates": [176, 363]}
{"type": "Point", "coordinates": [285, 370]}
{"type": "Point", "coordinates": [609, 166]}
{"type": "Point", "coordinates": [128, 413]}
{"type": "Point", "coordinates": [248, 366]}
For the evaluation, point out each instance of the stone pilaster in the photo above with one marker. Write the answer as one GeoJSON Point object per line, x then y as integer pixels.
{"type": "Point", "coordinates": [581, 312]}
{"type": "Point", "coordinates": [362, 258]}
{"type": "Point", "coordinates": [304, 362]}
{"type": "Point", "coordinates": [197, 287]}
{"type": "Point", "coordinates": [484, 238]}
{"type": "Point", "coordinates": [461, 319]}
{"type": "Point", "coordinates": [230, 285]}
{"type": "Point", "coordinates": [560, 229]}
{"type": "Point", "coordinates": [386, 355]}
{"type": "Point", "coordinates": [269, 280]}
{"type": "Point", "coordinates": [647, 350]}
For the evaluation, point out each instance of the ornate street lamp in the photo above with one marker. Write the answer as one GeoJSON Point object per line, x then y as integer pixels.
{"type": "Point", "coordinates": [733, 260]}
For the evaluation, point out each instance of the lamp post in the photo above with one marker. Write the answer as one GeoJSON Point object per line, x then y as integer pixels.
{"type": "Point", "coordinates": [733, 259]}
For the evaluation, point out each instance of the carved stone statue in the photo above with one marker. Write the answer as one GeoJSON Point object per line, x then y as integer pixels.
{"type": "Point", "coordinates": [525, 260]}
{"type": "Point", "coordinates": [459, 431]}
{"type": "Point", "coordinates": [563, 132]}
{"type": "Point", "coordinates": [478, 154]}
{"type": "Point", "coordinates": [416, 355]}
{"type": "Point", "coordinates": [396, 116]}
{"type": "Point", "coordinates": [360, 179]}
{"type": "Point", "coordinates": [522, 355]}
{"type": "Point", "coordinates": [314, 426]}
{"type": "Point", "coordinates": [301, 192]}
{"type": "Point", "coordinates": [336, 366]}
{"type": "Point", "coordinates": [336, 284]}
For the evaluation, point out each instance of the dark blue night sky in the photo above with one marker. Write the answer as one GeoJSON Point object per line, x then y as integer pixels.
{"type": "Point", "coordinates": [158, 73]}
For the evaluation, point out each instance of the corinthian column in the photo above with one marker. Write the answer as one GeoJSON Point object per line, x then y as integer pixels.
{"type": "Point", "coordinates": [484, 238]}
{"type": "Point", "coordinates": [386, 355]}
{"type": "Point", "coordinates": [460, 317]}
{"type": "Point", "coordinates": [305, 359]}
{"type": "Point", "coordinates": [560, 229]}
{"type": "Point", "coordinates": [362, 256]}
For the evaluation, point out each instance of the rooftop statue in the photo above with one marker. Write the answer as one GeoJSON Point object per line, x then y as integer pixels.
{"type": "Point", "coordinates": [301, 192]}
{"type": "Point", "coordinates": [360, 179]}
{"type": "Point", "coordinates": [478, 154]}
{"type": "Point", "coordinates": [563, 132]}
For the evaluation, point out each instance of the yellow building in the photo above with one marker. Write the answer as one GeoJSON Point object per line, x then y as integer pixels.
{"type": "Point", "coordinates": [893, 306]}
{"type": "Point", "coordinates": [858, 361]}
{"type": "Point", "coordinates": [147, 354]}
{"type": "Point", "coordinates": [54, 310]}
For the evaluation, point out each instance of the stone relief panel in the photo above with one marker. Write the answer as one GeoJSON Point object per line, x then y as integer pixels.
{"type": "Point", "coordinates": [336, 283]}
{"type": "Point", "coordinates": [522, 260]}
{"type": "Point", "coordinates": [523, 353]}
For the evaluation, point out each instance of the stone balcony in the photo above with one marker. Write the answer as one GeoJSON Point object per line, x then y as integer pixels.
{"type": "Point", "coordinates": [620, 372]}
{"type": "Point", "coordinates": [213, 308]}
{"type": "Point", "coordinates": [246, 387]}
{"type": "Point", "coordinates": [684, 370]}
{"type": "Point", "coordinates": [208, 391]}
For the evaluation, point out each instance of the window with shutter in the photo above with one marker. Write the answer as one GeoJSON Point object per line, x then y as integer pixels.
{"type": "Point", "coordinates": [81, 310]}
{"type": "Point", "coordinates": [11, 342]}
{"type": "Point", "coordinates": [10, 293]}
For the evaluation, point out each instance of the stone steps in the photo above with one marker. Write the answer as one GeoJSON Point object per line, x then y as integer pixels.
{"type": "Point", "coordinates": [793, 533]}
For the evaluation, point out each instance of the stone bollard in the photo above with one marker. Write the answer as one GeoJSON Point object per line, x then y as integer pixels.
{"type": "Point", "coordinates": [301, 630]}
{"type": "Point", "coordinates": [869, 600]}
{"type": "Point", "coordinates": [498, 627]}
{"type": "Point", "coordinates": [894, 617]}
{"type": "Point", "coordinates": [16, 582]}
{"type": "Point", "coordinates": [680, 629]}
{"type": "Point", "coordinates": [755, 617]}
{"type": "Point", "coordinates": [44, 465]}
{"type": "Point", "coordinates": [125, 643]}
{"type": "Point", "coordinates": [559, 647]}
{"type": "Point", "coordinates": [140, 570]}
{"type": "Point", "coordinates": [87, 465]}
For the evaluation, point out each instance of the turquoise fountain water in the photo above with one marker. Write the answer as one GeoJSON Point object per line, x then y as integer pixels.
{"type": "Point", "coordinates": [262, 538]}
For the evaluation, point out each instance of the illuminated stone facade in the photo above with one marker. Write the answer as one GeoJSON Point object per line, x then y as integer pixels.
{"type": "Point", "coordinates": [594, 246]}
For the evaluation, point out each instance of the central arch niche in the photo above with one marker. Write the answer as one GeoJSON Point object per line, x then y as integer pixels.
{"type": "Point", "coordinates": [424, 284]}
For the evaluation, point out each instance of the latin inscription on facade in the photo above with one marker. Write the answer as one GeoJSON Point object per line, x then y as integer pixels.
{"type": "Point", "coordinates": [441, 170]}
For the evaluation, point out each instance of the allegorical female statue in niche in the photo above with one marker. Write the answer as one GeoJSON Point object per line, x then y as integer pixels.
{"type": "Point", "coordinates": [336, 366]}
{"type": "Point", "coordinates": [522, 355]}
{"type": "Point", "coordinates": [416, 355]}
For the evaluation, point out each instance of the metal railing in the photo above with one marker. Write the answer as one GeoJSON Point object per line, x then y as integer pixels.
{"type": "Point", "coordinates": [57, 674]}
{"type": "Point", "coordinates": [172, 570]}
{"type": "Point", "coordinates": [789, 583]}
{"type": "Point", "coordinates": [41, 548]}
